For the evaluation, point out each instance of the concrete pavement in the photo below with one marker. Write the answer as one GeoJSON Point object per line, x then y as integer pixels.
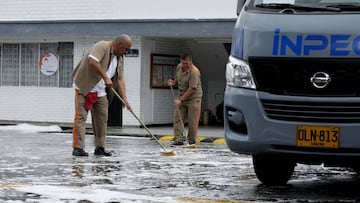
{"type": "Point", "coordinates": [39, 167]}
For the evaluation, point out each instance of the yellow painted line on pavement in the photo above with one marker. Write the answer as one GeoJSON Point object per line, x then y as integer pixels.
{"type": "Point", "coordinates": [207, 200]}
{"type": "Point", "coordinates": [199, 139]}
{"type": "Point", "coordinates": [219, 141]}
{"type": "Point", "coordinates": [171, 137]}
{"type": "Point", "coordinates": [167, 138]}
{"type": "Point", "coordinates": [10, 185]}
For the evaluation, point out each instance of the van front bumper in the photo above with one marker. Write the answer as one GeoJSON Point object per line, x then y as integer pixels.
{"type": "Point", "coordinates": [249, 130]}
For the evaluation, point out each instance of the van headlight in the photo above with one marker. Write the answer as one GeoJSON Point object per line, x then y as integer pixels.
{"type": "Point", "coordinates": [238, 74]}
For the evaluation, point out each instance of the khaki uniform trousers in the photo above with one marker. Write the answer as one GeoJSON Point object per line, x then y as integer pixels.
{"type": "Point", "coordinates": [99, 114]}
{"type": "Point", "coordinates": [190, 111]}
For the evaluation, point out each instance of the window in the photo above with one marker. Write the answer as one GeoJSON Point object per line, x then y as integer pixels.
{"type": "Point", "coordinates": [19, 64]}
{"type": "Point", "coordinates": [10, 65]}
{"type": "Point", "coordinates": [29, 64]}
{"type": "Point", "coordinates": [66, 59]}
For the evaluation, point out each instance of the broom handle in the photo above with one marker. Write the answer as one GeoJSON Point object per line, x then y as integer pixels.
{"type": "Point", "coordinates": [177, 110]}
{"type": "Point", "coordinates": [140, 121]}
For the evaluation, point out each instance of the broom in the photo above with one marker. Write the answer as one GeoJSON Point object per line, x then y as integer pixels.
{"type": "Point", "coordinates": [164, 152]}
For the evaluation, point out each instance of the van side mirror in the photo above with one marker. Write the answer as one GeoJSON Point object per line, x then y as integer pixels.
{"type": "Point", "coordinates": [240, 4]}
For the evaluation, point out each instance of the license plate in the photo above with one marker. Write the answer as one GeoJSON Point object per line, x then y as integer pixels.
{"type": "Point", "coordinates": [317, 136]}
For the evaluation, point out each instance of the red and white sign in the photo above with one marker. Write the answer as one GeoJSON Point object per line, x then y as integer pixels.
{"type": "Point", "coordinates": [48, 64]}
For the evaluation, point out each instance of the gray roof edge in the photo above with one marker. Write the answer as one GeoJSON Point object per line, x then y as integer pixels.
{"type": "Point", "coordinates": [177, 28]}
{"type": "Point", "coordinates": [117, 21]}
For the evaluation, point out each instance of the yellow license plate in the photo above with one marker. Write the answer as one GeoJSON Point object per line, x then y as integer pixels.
{"type": "Point", "coordinates": [317, 136]}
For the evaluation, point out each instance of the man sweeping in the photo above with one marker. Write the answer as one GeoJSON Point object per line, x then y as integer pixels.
{"type": "Point", "coordinates": [188, 102]}
{"type": "Point", "coordinates": [100, 69]}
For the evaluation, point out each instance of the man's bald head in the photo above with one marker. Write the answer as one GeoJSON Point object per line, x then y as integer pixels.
{"type": "Point", "coordinates": [121, 44]}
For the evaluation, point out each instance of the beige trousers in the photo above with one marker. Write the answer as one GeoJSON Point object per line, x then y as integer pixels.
{"type": "Point", "coordinates": [99, 114]}
{"type": "Point", "coordinates": [190, 111]}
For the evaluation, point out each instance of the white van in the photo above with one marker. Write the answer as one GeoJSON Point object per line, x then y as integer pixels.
{"type": "Point", "coordinates": [293, 85]}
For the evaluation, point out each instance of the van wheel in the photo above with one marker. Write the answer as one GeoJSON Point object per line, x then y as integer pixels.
{"type": "Point", "coordinates": [272, 169]}
{"type": "Point", "coordinates": [356, 168]}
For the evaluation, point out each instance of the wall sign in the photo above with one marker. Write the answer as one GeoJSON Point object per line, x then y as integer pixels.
{"type": "Point", "coordinates": [48, 64]}
{"type": "Point", "coordinates": [163, 67]}
{"type": "Point", "coordinates": [132, 53]}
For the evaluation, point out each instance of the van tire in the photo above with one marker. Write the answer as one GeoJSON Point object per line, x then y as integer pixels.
{"type": "Point", "coordinates": [273, 169]}
{"type": "Point", "coordinates": [356, 168]}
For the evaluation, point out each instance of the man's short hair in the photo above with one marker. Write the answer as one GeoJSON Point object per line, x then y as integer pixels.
{"type": "Point", "coordinates": [185, 57]}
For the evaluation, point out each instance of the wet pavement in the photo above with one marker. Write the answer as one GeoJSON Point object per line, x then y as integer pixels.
{"type": "Point", "coordinates": [39, 167]}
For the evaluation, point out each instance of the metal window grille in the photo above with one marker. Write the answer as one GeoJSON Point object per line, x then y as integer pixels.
{"type": "Point", "coordinates": [19, 64]}
{"type": "Point", "coordinates": [10, 65]}
{"type": "Point", "coordinates": [29, 64]}
{"type": "Point", "coordinates": [66, 58]}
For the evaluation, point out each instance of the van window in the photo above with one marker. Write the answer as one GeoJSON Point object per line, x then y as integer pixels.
{"type": "Point", "coordinates": [313, 2]}
{"type": "Point", "coordinates": [336, 6]}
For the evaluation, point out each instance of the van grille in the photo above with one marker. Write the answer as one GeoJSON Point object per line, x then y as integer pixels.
{"type": "Point", "coordinates": [329, 112]}
{"type": "Point", "coordinates": [291, 76]}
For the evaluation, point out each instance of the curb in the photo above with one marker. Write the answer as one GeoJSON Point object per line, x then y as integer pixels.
{"type": "Point", "coordinates": [199, 139]}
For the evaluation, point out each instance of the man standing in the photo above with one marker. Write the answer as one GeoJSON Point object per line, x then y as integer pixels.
{"type": "Point", "coordinates": [100, 69]}
{"type": "Point", "coordinates": [189, 101]}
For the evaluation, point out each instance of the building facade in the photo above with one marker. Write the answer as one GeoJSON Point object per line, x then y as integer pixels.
{"type": "Point", "coordinates": [161, 30]}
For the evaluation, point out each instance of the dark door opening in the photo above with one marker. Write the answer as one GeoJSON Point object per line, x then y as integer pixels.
{"type": "Point", "coordinates": [115, 113]}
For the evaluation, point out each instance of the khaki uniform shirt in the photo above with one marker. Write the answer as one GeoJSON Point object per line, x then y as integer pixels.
{"type": "Point", "coordinates": [85, 77]}
{"type": "Point", "coordinates": [190, 78]}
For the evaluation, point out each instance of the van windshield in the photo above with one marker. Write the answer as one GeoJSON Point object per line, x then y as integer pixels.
{"type": "Point", "coordinates": [305, 5]}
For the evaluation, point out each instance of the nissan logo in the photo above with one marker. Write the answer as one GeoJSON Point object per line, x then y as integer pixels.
{"type": "Point", "coordinates": [320, 79]}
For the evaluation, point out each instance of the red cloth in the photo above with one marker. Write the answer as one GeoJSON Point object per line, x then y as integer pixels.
{"type": "Point", "coordinates": [90, 100]}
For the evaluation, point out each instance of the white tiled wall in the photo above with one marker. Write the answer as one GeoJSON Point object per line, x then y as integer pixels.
{"type": "Point", "coordinates": [39, 104]}
{"type": "Point", "coordinates": [133, 77]}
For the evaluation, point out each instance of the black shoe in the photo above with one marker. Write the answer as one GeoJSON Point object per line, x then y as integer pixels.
{"type": "Point", "coordinates": [79, 152]}
{"type": "Point", "coordinates": [192, 143]}
{"type": "Point", "coordinates": [177, 143]}
{"type": "Point", "coordinates": [100, 151]}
